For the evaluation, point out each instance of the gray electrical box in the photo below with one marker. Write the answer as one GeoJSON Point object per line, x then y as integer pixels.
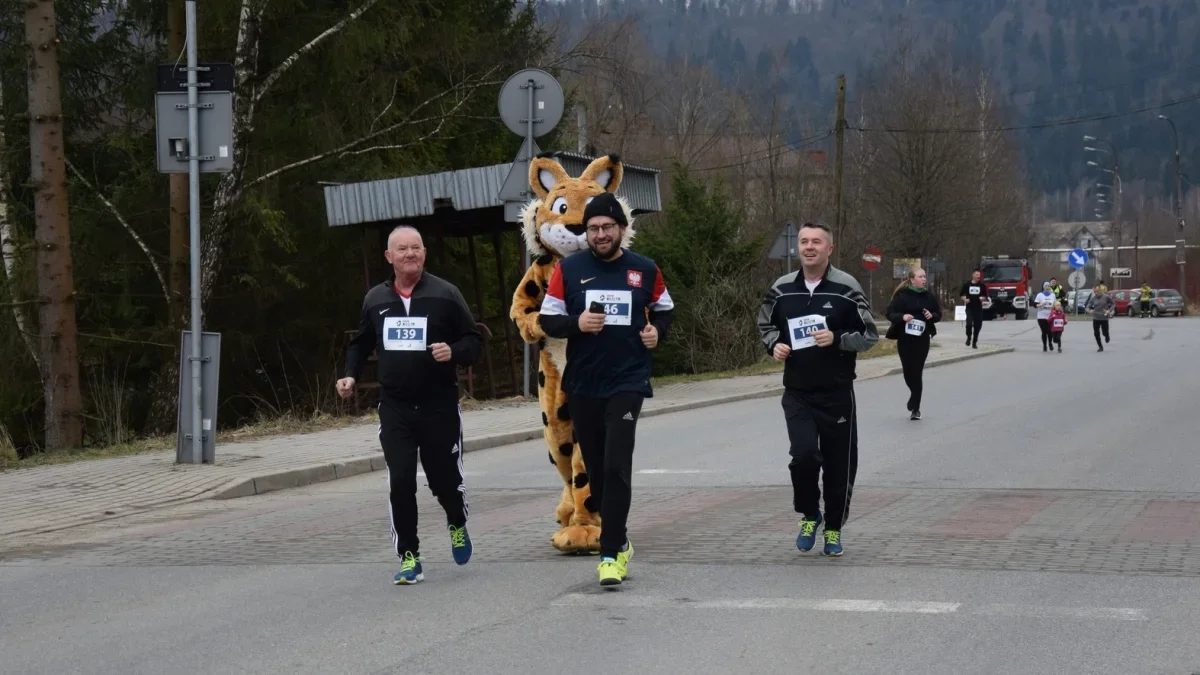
{"type": "Point", "coordinates": [215, 117]}
{"type": "Point", "coordinates": [210, 370]}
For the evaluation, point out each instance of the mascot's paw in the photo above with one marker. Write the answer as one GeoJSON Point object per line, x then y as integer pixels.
{"type": "Point", "coordinates": [565, 511]}
{"type": "Point", "coordinates": [577, 539]}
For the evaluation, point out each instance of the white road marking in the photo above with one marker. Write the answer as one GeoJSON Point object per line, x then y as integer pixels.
{"type": "Point", "coordinates": [852, 605]}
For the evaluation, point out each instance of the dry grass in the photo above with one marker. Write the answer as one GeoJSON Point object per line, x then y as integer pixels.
{"type": "Point", "coordinates": [286, 425]}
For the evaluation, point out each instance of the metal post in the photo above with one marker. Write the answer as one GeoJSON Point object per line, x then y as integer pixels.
{"type": "Point", "coordinates": [193, 154]}
{"type": "Point", "coordinates": [787, 243]}
{"type": "Point", "coordinates": [531, 85]}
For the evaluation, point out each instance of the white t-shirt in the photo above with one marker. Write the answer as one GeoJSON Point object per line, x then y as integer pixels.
{"type": "Point", "coordinates": [812, 285]}
{"type": "Point", "coordinates": [1045, 303]}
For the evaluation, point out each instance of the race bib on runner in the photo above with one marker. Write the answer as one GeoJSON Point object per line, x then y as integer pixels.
{"type": "Point", "coordinates": [618, 306]}
{"type": "Point", "coordinates": [973, 290]}
{"type": "Point", "coordinates": [915, 327]}
{"type": "Point", "coordinates": [1058, 323]}
{"type": "Point", "coordinates": [802, 328]}
{"type": "Point", "coordinates": [404, 333]}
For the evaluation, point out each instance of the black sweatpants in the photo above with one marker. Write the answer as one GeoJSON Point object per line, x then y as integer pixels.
{"type": "Point", "coordinates": [1044, 324]}
{"type": "Point", "coordinates": [913, 351]}
{"type": "Point", "coordinates": [974, 323]}
{"type": "Point", "coordinates": [823, 431]}
{"type": "Point", "coordinates": [605, 429]}
{"type": "Point", "coordinates": [434, 434]}
{"type": "Point", "coordinates": [1100, 326]}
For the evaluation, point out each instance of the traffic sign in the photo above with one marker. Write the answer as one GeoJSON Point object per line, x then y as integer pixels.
{"type": "Point", "coordinates": [1120, 272]}
{"type": "Point", "coordinates": [1077, 258]}
{"type": "Point", "coordinates": [1077, 279]}
{"type": "Point", "coordinates": [872, 257]}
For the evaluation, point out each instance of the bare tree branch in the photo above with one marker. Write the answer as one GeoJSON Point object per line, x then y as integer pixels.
{"type": "Point", "coordinates": [8, 249]}
{"type": "Point", "coordinates": [395, 87]}
{"type": "Point", "coordinates": [287, 63]}
{"type": "Point", "coordinates": [408, 121]}
{"type": "Point", "coordinates": [162, 281]}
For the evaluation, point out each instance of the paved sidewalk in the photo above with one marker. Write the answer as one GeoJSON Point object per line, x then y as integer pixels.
{"type": "Point", "coordinates": [44, 499]}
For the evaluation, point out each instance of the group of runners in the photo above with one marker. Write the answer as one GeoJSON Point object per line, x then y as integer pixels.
{"type": "Point", "coordinates": [815, 320]}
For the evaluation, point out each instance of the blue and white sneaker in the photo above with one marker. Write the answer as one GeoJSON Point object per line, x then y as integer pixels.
{"type": "Point", "coordinates": [808, 533]}
{"type": "Point", "coordinates": [460, 544]}
{"type": "Point", "coordinates": [410, 571]}
{"type": "Point", "coordinates": [833, 542]}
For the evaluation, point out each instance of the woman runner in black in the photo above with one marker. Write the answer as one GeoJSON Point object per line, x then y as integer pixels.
{"type": "Point", "coordinates": [913, 313]}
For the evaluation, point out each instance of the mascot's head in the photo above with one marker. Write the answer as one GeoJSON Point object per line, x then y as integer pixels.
{"type": "Point", "coordinates": [553, 223]}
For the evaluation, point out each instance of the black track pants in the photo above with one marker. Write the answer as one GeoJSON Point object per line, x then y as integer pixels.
{"type": "Point", "coordinates": [823, 432]}
{"type": "Point", "coordinates": [913, 351]}
{"type": "Point", "coordinates": [974, 323]}
{"type": "Point", "coordinates": [1044, 324]}
{"type": "Point", "coordinates": [1100, 326]}
{"type": "Point", "coordinates": [434, 435]}
{"type": "Point", "coordinates": [605, 429]}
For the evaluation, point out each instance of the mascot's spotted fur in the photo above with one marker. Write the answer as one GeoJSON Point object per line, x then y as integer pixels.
{"type": "Point", "coordinates": [553, 227]}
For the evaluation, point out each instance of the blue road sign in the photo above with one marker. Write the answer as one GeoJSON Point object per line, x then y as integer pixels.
{"type": "Point", "coordinates": [1077, 258]}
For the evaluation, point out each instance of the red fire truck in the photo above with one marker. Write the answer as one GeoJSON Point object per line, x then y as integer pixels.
{"type": "Point", "coordinates": [1008, 286]}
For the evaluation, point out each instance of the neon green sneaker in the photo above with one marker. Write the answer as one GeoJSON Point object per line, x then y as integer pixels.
{"type": "Point", "coordinates": [614, 570]}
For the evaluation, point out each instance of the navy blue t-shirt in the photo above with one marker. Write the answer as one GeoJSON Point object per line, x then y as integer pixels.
{"type": "Point", "coordinates": [632, 291]}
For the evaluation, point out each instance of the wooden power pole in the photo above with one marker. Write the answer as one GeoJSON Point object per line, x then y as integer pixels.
{"type": "Point", "coordinates": [840, 128]}
{"type": "Point", "coordinates": [57, 333]}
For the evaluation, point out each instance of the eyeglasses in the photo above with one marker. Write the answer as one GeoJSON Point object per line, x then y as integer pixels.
{"type": "Point", "coordinates": [608, 228]}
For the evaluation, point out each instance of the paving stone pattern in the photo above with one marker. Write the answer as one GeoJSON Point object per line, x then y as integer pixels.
{"type": "Point", "coordinates": [1026, 530]}
{"type": "Point", "coordinates": [54, 497]}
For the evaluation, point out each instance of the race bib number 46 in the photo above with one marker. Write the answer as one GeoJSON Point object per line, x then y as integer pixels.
{"type": "Point", "coordinates": [618, 306]}
{"type": "Point", "coordinates": [801, 330]}
{"type": "Point", "coordinates": [404, 333]}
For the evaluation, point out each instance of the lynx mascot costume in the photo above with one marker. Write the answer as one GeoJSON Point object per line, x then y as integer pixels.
{"type": "Point", "coordinates": [553, 228]}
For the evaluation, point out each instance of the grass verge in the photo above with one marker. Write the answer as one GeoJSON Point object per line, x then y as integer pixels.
{"type": "Point", "coordinates": [291, 425]}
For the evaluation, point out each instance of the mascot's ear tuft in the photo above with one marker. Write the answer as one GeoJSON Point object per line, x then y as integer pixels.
{"type": "Point", "coordinates": [606, 171]}
{"type": "Point", "coordinates": [544, 174]}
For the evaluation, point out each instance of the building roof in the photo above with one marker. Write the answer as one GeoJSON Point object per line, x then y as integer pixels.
{"type": "Point", "coordinates": [476, 189]}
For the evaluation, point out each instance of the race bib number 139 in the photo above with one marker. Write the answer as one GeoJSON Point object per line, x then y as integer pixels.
{"type": "Point", "coordinates": [618, 306]}
{"type": "Point", "coordinates": [404, 333]}
{"type": "Point", "coordinates": [801, 330]}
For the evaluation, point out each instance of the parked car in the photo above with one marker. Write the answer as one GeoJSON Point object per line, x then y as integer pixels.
{"type": "Point", "coordinates": [1077, 301]}
{"type": "Point", "coordinates": [1126, 302]}
{"type": "Point", "coordinates": [1166, 301]}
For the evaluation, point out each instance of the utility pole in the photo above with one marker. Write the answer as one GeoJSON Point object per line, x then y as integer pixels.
{"type": "Point", "coordinates": [177, 224]}
{"type": "Point", "coordinates": [57, 331]}
{"type": "Point", "coordinates": [1180, 248]}
{"type": "Point", "coordinates": [840, 129]}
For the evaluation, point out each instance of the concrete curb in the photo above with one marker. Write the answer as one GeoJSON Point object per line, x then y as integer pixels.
{"type": "Point", "coordinates": [345, 468]}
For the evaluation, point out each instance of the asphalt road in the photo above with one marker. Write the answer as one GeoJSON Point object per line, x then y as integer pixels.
{"type": "Point", "coordinates": [1044, 517]}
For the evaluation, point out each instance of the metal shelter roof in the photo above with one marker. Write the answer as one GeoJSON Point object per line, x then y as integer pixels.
{"type": "Point", "coordinates": [447, 197]}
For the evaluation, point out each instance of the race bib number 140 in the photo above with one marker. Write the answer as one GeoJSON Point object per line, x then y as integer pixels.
{"type": "Point", "coordinates": [618, 306]}
{"type": "Point", "coordinates": [404, 333]}
{"type": "Point", "coordinates": [801, 330]}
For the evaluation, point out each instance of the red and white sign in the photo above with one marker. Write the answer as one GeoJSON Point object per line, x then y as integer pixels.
{"type": "Point", "coordinates": [634, 278]}
{"type": "Point", "coordinates": [872, 257]}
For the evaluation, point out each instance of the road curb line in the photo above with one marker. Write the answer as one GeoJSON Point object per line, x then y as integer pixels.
{"type": "Point", "coordinates": [354, 466]}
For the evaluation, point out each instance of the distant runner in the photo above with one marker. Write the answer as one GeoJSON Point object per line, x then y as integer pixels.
{"type": "Point", "coordinates": [1045, 304]}
{"type": "Point", "coordinates": [1058, 323]}
{"type": "Point", "coordinates": [423, 327]}
{"type": "Point", "coordinates": [913, 313]}
{"type": "Point", "coordinates": [817, 321]}
{"type": "Point", "coordinates": [1102, 306]}
{"type": "Point", "coordinates": [972, 295]}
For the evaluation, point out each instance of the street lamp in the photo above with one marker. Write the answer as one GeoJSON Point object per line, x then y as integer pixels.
{"type": "Point", "coordinates": [1179, 245]}
{"type": "Point", "coordinates": [1116, 172]}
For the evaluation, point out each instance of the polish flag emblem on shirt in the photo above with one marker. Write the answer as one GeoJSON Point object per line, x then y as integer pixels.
{"type": "Point", "coordinates": [634, 278]}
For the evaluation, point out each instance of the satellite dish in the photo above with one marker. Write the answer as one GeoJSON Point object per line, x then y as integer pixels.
{"type": "Point", "coordinates": [548, 102]}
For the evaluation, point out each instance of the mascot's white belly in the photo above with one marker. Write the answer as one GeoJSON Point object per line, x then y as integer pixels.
{"type": "Point", "coordinates": [556, 349]}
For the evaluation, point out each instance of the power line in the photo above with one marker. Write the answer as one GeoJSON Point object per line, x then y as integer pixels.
{"type": "Point", "coordinates": [1027, 127]}
{"type": "Point", "coordinates": [771, 153]}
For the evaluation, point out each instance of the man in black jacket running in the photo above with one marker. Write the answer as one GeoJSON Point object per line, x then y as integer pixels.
{"type": "Point", "coordinates": [613, 307]}
{"type": "Point", "coordinates": [425, 330]}
{"type": "Point", "coordinates": [817, 321]}
{"type": "Point", "coordinates": [973, 292]}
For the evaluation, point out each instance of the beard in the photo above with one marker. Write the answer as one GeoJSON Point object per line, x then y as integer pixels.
{"type": "Point", "coordinates": [613, 247]}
